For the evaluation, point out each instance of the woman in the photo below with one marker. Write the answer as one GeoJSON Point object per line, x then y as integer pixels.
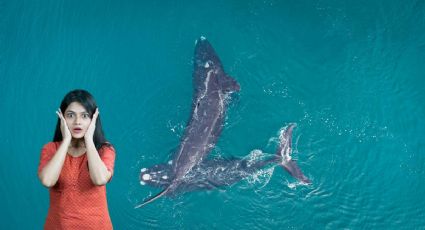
{"type": "Point", "coordinates": [76, 166]}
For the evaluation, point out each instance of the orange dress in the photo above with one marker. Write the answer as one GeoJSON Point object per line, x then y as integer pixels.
{"type": "Point", "coordinates": [75, 202]}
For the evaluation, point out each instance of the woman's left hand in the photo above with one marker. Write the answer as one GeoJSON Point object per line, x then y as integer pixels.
{"type": "Point", "coordinates": [90, 130]}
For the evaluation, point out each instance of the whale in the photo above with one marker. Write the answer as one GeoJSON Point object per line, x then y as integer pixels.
{"type": "Point", "coordinates": [211, 96]}
{"type": "Point", "coordinates": [221, 172]}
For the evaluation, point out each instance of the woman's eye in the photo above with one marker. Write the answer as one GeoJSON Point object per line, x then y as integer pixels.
{"type": "Point", "coordinates": [85, 116]}
{"type": "Point", "coordinates": [69, 115]}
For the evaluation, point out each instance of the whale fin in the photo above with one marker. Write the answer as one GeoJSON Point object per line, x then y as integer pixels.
{"type": "Point", "coordinates": [284, 154]}
{"type": "Point", "coordinates": [229, 84]}
{"type": "Point", "coordinates": [295, 171]}
{"type": "Point", "coordinates": [152, 199]}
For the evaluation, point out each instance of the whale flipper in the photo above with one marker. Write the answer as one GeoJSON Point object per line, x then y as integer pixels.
{"type": "Point", "coordinates": [229, 84]}
{"type": "Point", "coordinates": [151, 199]}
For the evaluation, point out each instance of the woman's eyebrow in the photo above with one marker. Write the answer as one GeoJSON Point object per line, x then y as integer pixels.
{"type": "Point", "coordinates": [70, 111]}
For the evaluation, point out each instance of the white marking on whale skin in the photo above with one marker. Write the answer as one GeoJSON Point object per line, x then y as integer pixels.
{"type": "Point", "coordinates": [164, 177]}
{"type": "Point", "coordinates": [143, 170]}
{"type": "Point", "coordinates": [207, 64]}
{"type": "Point", "coordinates": [204, 93]}
{"type": "Point", "coordinates": [221, 102]}
{"type": "Point", "coordinates": [170, 162]}
{"type": "Point", "coordinates": [195, 112]}
{"type": "Point", "coordinates": [207, 80]}
{"type": "Point", "coordinates": [146, 177]}
{"type": "Point", "coordinates": [142, 183]}
{"type": "Point", "coordinates": [201, 38]}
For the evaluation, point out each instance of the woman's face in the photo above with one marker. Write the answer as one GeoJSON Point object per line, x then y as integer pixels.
{"type": "Point", "coordinates": [78, 119]}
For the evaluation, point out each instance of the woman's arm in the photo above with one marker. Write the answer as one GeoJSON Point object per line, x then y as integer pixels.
{"type": "Point", "coordinates": [99, 174]}
{"type": "Point", "coordinates": [49, 175]}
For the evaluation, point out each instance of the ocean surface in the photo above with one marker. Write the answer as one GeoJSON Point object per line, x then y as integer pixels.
{"type": "Point", "coordinates": [348, 73]}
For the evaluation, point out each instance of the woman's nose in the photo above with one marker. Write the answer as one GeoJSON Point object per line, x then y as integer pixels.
{"type": "Point", "coordinates": [77, 120]}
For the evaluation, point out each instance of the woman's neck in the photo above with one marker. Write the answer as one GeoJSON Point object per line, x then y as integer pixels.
{"type": "Point", "coordinates": [78, 143]}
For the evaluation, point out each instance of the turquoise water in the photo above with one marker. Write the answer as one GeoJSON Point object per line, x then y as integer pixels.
{"type": "Point", "coordinates": [347, 72]}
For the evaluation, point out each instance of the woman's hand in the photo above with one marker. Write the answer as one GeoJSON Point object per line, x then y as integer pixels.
{"type": "Point", "coordinates": [66, 133]}
{"type": "Point", "coordinates": [90, 130]}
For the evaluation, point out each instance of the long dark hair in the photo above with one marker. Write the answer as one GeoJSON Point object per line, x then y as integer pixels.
{"type": "Point", "coordinates": [87, 101]}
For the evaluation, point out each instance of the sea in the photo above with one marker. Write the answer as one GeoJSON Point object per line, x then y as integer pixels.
{"type": "Point", "coordinates": [347, 72]}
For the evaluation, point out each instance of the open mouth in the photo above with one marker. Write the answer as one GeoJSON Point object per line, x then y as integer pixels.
{"type": "Point", "coordinates": [77, 130]}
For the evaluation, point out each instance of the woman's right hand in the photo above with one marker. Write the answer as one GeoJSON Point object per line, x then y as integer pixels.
{"type": "Point", "coordinates": [66, 134]}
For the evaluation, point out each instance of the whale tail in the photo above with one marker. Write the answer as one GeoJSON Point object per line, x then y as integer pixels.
{"type": "Point", "coordinates": [153, 198]}
{"type": "Point", "coordinates": [284, 154]}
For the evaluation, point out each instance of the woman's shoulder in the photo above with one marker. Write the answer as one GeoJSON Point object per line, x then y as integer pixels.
{"type": "Point", "coordinates": [51, 145]}
{"type": "Point", "coordinates": [50, 148]}
{"type": "Point", "coordinates": [107, 146]}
